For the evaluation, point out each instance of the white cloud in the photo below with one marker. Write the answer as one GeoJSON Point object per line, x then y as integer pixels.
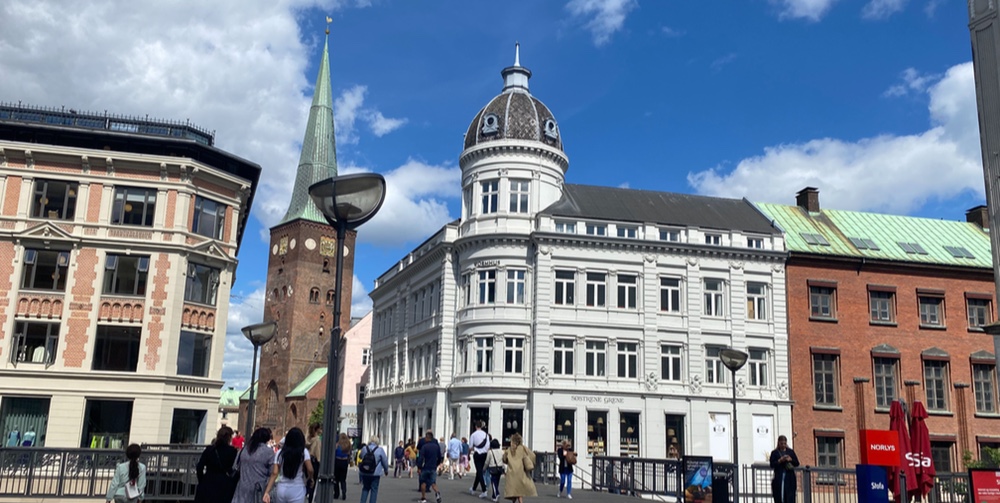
{"type": "Point", "coordinates": [813, 10]}
{"type": "Point", "coordinates": [882, 9]}
{"type": "Point", "coordinates": [888, 173]}
{"type": "Point", "coordinates": [931, 7]}
{"type": "Point", "coordinates": [604, 17]}
{"type": "Point", "coordinates": [673, 32]}
{"type": "Point", "coordinates": [361, 303]}
{"type": "Point", "coordinates": [721, 62]}
{"type": "Point", "coordinates": [912, 81]}
{"type": "Point", "coordinates": [243, 310]}
{"type": "Point", "coordinates": [350, 106]}
{"type": "Point", "coordinates": [382, 125]}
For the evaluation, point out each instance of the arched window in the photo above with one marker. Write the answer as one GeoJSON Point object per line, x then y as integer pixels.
{"type": "Point", "coordinates": [314, 296]}
{"type": "Point", "coordinates": [271, 411]}
{"type": "Point", "coordinates": [295, 413]}
{"type": "Point", "coordinates": [329, 297]}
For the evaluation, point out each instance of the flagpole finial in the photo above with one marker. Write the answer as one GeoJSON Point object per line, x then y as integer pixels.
{"type": "Point", "coordinates": [517, 53]}
{"type": "Point", "coordinates": [328, 21]}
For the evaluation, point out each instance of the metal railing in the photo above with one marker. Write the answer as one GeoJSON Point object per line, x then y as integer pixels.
{"type": "Point", "coordinates": [45, 472]}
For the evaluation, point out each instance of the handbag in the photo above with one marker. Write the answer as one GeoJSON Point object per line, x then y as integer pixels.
{"type": "Point", "coordinates": [233, 473]}
{"type": "Point", "coordinates": [497, 469]}
{"type": "Point", "coordinates": [529, 460]}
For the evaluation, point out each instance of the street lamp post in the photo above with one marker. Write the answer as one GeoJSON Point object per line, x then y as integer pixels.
{"type": "Point", "coordinates": [346, 202]}
{"type": "Point", "coordinates": [734, 360]}
{"type": "Point", "coordinates": [258, 335]}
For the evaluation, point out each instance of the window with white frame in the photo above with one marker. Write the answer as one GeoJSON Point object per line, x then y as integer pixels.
{"type": "Point", "coordinates": [713, 239]}
{"type": "Point", "coordinates": [484, 354]}
{"type": "Point", "coordinates": [597, 230]}
{"type": "Point", "coordinates": [715, 371]}
{"type": "Point", "coordinates": [673, 235]}
{"type": "Point", "coordinates": [209, 218]}
{"type": "Point", "coordinates": [936, 384]}
{"type": "Point", "coordinates": [463, 356]}
{"type": "Point", "coordinates": [488, 286]}
{"type": "Point", "coordinates": [984, 383]}
{"type": "Point", "coordinates": [931, 310]}
{"type": "Point", "coordinates": [133, 206]}
{"type": "Point", "coordinates": [628, 360]}
{"type": "Point", "coordinates": [54, 199]}
{"type": "Point", "coordinates": [756, 301]}
{"type": "Point", "coordinates": [490, 196]}
{"type": "Point", "coordinates": [596, 358]}
{"type": "Point", "coordinates": [202, 284]}
{"type": "Point", "coordinates": [519, 196]}
{"type": "Point", "coordinates": [670, 362]}
{"type": "Point", "coordinates": [513, 357]}
{"type": "Point", "coordinates": [565, 226]}
{"type": "Point", "coordinates": [670, 295]}
{"type": "Point", "coordinates": [979, 312]}
{"type": "Point", "coordinates": [756, 243]}
{"type": "Point", "coordinates": [466, 289]}
{"type": "Point", "coordinates": [825, 378]}
{"type": "Point", "coordinates": [420, 364]}
{"type": "Point", "coordinates": [597, 289]}
{"type": "Point", "coordinates": [886, 371]}
{"type": "Point", "coordinates": [45, 270]}
{"type": "Point", "coordinates": [714, 293]}
{"type": "Point", "coordinates": [627, 291]}
{"type": "Point", "coordinates": [627, 231]}
{"type": "Point", "coordinates": [563, 364]}
{"type": "Point", "coordinates": [366, 356]}
{"type": "Point", "coordinates": [35, 342]}
{"type": "Point", "coordinates": [565, 287]}
{"type": "Point", "coordinates": [515, 286]}
{"type": "Point", "coordinates": [757, 367]}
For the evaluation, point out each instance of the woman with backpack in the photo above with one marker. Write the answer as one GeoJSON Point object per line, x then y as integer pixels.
{"type": "Point", "coordinates": [292, 471]}
{"type": "Point", "coordinates": [216, 476]}
{"type": "Point", "coordinates": [254, 463]}
{"type": "Point", "coordinates": [520, 463]}
{"type": "Point", "coordinates": [567, 460]}
{"type": "Point", "coordinates": [374, 463]}
{"type": "Point", "coordinates": [495, 467]}
{"type": "Point", "coordinates": [129, 482]}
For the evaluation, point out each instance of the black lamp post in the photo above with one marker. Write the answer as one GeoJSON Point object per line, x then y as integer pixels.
{"type": "Point", "coordinates": [258, 335]}
{"type": "Point", "coordinates": [346, 202]}
{"type": "Point", "coordinates": [734, 360]}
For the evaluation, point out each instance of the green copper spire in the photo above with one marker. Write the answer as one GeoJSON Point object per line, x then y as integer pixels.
{"type": "Point", "coordinates": [318, 160]}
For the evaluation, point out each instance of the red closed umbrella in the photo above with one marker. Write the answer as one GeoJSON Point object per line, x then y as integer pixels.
{"type": "Point", "coordinates": [920, 449]}
{"type": "Point", "coordinates": [897, 423]}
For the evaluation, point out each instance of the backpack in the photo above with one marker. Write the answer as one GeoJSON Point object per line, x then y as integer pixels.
{"type": "Point", "coordinates": [368, 463]}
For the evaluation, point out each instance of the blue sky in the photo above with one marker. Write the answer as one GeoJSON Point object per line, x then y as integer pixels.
{"type": "Point", "coordinates": [872, 101]}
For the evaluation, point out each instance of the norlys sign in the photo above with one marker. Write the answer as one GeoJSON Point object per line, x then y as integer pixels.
{"type": "Point", "coordinates": [880, 448]}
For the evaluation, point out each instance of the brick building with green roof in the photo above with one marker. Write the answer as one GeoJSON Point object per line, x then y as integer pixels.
{"type": "Point", "coordinates": [882, 307]}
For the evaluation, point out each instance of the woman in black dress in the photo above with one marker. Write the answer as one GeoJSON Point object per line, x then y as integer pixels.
{"type": "Point", "coordinates": [783, 462]}
{"type": "Point", "coordinates": [214, 481]}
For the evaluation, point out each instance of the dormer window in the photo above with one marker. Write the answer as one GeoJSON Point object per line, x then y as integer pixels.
{"type": "Point", "coordinates": [551, 130]}
{"type": "Point", "coordinates": [713, 239]}
{"type": "Point", "coordinates": [626, 231]}
{"type": "Point", "coordinates": [566, 227]}
{"type": "Point", "coordinates": [597, 230]}
{"type": "Point", "coordinates": [491, 124]}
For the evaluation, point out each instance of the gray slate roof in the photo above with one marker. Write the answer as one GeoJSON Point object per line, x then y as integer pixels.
{"type": "Point", "coordinates": [667, 208]}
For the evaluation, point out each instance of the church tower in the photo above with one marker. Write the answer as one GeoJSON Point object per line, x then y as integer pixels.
{"type": "Point", "coordinates": [301, 274]}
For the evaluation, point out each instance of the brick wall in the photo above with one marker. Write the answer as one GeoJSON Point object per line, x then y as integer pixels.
{"type": "Point", "coordinates": [12, 196]}
{"type": "Point", "coordinates": [6, 286]}
{"type": "Point", "coordinates": [80, 307]}
{"type": "Point", "coordinates": [157, 311]}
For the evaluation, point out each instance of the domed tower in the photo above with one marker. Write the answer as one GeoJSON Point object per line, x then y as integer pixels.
{"type": "Point", "coordinates": [513, 164]}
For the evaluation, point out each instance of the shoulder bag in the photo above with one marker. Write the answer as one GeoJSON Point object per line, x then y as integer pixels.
{"type": "Point", "coordinates": [529, 460]}
{"type": "Point", "coordinates": [497, 469]}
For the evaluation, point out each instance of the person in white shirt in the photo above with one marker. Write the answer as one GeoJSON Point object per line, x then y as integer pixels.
{"type": "Point", "coordinates": [454, 453]}
{"type": "Point", "coordinates": [129, 482]}
{"type": "Point", "coordinates": [292, 470]}
{"type": "Point", "coordinates": [480, 441]}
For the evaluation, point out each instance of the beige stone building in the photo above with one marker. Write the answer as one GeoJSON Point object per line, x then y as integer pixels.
{"type": "Point", "coordinates": [118, 246]}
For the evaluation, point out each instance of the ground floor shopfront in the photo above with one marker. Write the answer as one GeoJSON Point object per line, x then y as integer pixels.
{"type": "Point", "coordinates": [595, 422]}
{"type": "Point", "coordinates": [104, 411]}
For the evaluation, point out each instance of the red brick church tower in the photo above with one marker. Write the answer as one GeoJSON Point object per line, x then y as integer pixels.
{"type": "Point", "coordinates": [301, 275]}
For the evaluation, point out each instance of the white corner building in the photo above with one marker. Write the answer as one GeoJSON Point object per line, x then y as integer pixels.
{"type": "Point", "coordinates": [594, 314]}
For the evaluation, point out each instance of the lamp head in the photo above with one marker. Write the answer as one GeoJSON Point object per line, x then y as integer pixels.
{"type": "Point", "coordinates": [259, 334]}
{"type": "Point", "coordinates": [349, 200]}
{"type": "Point", "coordinates": [733, 359]}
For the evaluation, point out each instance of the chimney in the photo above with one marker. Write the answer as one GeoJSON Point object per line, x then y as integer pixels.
{"type": "Point", "coordinates": [808, 199]}
{"type": "Point", "coordinates": [979, 215]}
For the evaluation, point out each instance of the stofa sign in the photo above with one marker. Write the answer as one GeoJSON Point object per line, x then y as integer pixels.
{"type": "Point", "coordinates": [880, 447]}
{"type": "Point", "coordinates": [873, 484]}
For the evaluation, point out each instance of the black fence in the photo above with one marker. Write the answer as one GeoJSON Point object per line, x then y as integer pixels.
{"type": "Point", "coordinates": [86, 473]}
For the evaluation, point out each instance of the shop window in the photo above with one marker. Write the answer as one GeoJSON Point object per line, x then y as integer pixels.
{"type": "Point", "coordinates": [45, 270]}
{"type": "Point", "coordinates": [564, 427]}
{"type": "Point", "coordinates": [675, 434]}
{"type": "Point", "coordinates": [202, 284]}
{"type": "Point", "coordinates": [24, 421]}
{"type": "Point", "coordinates": [193, 353]}
{"type": "Point", "coordinates": [629, 433]}
{"type": "Point", "coordinates": [513, 422]}
{"type": "Point", "coordinates": [117, 348]}
{"type": "Point", "coordinates": [479, 415]}
{"type": "Point", "coordinates": [597, 429]}
{"type": "Point", "coordinates": [54, 199]}
{"type": "Point", "coordinates": [35, 342]}
{"type": "Point", "coordinates": [209, 218]}
{"type": "Point", "coordinates": [106, 424]}
{"type": "Point", "coordinates": [125, 275]}
{"type": "Point", "coordinates": [133, 206]}
{"type": "Point", "coordinates": [188, 427]}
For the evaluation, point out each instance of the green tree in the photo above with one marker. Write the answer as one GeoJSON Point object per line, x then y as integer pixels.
{"type": "Point", "coordinates": [317, 414]}
{"type": "Point", "coordinates": [989, 459]}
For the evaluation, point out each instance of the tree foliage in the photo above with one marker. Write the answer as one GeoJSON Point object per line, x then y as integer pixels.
{"type": "Point", "coordinates": [317, 414]}
{"type": "Point", "coordinates": [989, 459]}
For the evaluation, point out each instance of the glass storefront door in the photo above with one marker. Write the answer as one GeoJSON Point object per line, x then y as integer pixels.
{"type": "Point", "coordinates": [513, 422]}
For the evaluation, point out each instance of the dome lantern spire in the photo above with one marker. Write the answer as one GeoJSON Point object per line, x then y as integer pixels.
{"type": "Point", "coordinates": [515, 78]}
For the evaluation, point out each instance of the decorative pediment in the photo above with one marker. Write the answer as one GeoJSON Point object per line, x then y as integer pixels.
{"type": "Point", "coordinates": [935, 351]}
{"type": "Point", "coordinates": [983, 356]}
{"type": "Point", "coordinates": [885, 349]}
{"type": "Point", "coordinates": [45, 232]}
{"type": "Point", "coordinates": [210, 248]}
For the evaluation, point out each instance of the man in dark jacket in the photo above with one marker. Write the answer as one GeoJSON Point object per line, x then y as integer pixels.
{"type": "Point", "coordinates": [429, 459]}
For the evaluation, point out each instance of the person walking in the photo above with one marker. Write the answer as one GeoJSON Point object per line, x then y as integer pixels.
{"type": "Point", "coordinates": [315, 445]}
{"type": "Point", "coordinates": [463, 460]}
{"type": "Point", "coordinates": [783, 461]}
{"type": "Point", "coordinates": [255, 463]}
{"type": "Point", "coordinates": [520, 461]}
{"type": "Point", "coordinates": [215, 469]}
{"type": "Point", "coordinates": [495, 467]}
{"type": "Point", "coordinates": [480, 442]}
{"type": "Point", "coordinates": [411, 457]}
{"type": "Point", "coordinates": [374, 463]}
{"type": "Point", "coordinates": [238, 439]}
{"type": "Point", "coordinates": [341, 462]}
{"type": "Point", "coordinates": [454, 453]}
{"type": "Point", "coordinates": [430, 459]}
{"type": "Point", "coordinates": [129, 482]}
{"type": "Point", "coordinates": [399, 456]}
{"type": "Point", "coordinates": [292, 471]}
{"type": "Point", "coordinates": [567, 460]}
